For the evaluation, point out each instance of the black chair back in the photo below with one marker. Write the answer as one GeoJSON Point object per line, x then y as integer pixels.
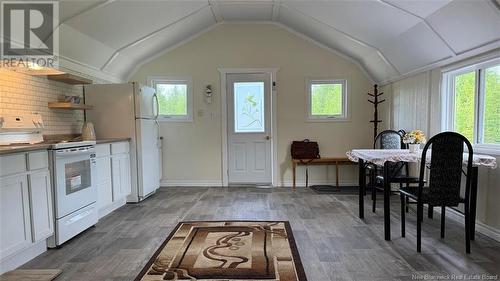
{"type": "Point", "coordinates": [446, 168]}
{"type": "Point", "coordinates": [388, 139]}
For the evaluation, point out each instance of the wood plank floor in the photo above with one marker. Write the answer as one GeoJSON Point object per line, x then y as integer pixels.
{"type": "Point", "coordinates": [333, 243]}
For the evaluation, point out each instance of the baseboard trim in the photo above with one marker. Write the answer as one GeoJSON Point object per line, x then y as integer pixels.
{"type": "Point", "coordinates": [15, 260]}
{"type": "Point", "coordinates": [315, 182]}
{"type": "Point", "coordinates": [111, 207]}
{"type": "Point", "coordinates": [482, 228]}
{"type": "Point", "coordinates": [194, 183]}
{"type": "Point", "coordinates": [205, 183]}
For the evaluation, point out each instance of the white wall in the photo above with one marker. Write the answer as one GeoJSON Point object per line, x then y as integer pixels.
{"type": "Point", "coordinates": [193, 150]}
{"type": "Point", "coordinates": [416, 104]}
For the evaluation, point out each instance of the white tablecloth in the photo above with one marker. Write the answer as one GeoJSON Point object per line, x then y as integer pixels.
{"type": "Point", "coordinates": [380, 156]}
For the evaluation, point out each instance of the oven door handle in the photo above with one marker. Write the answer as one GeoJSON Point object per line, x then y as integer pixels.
{"type": "Point", "coordinates": [63, 153]}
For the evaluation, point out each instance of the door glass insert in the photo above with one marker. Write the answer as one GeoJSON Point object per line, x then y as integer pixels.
{"type": "Point", "coordinates": [249, 107]}
{"type": "Point", "coordinates": [77, 176]}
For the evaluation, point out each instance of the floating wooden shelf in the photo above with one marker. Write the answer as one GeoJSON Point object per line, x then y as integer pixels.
{"type": "Point", "coordinates": [69, 106]}
{"type": "Point", "coordinates": [69, 79]}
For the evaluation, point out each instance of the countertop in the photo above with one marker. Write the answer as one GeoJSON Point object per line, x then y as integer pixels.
{"type": "Point", "coordinates": [7, 149]}
{"type": "Point", "coordinates": [99, 141]}
{"type": "Point", "coordinates": [16, 148]}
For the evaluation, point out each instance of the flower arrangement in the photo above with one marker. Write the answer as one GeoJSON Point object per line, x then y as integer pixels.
{"type": "Point", "coordinates": [414, 137]}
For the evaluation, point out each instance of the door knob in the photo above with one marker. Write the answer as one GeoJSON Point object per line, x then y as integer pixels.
{"type": "Point", "coordinates": [268, 137]}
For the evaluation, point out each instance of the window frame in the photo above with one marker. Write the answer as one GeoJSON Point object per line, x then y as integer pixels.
{"type": "Point", "coordinates": [327, 118]}
{"type": "Point", "coordinates": [188, 81]}
{"type": "Point", "coordinates": [448, 105]}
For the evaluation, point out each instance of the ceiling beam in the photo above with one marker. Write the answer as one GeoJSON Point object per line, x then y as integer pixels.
{"type": "Point", "coordinates": [454, 53]}
{"type": "Point", "coordinates": [276, 10]}
{"type": "Point", "coordinates": [349, 37]}
{"type": "Point", "coordinates": [148, 36]}
{"type": "Point", "coordinates": [215, 11]}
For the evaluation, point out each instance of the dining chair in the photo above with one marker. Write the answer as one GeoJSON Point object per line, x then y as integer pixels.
{"type": "Point", "coordinates": [445, 175]}
{"type": "Point", "coordinates": [399, 171]}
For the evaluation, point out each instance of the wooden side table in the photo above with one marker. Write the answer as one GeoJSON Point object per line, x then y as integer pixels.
{"type": "Point", "coordinates": [322, 161]}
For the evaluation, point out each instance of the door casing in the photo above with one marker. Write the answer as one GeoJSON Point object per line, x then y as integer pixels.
{"type": "Point", "coordinates": [273, 132]}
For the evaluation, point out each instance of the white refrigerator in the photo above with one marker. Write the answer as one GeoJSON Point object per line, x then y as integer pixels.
{"type": "Point", "coordinates": [130, 110]}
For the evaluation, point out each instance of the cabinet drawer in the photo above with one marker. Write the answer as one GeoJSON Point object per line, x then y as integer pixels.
{"type": "Point", "coordinates": [38, 160]}
{"type": "Point", "coordinates": [119, 147]}
{"type": "Point", "coordinates": [12, 164]}
{"type": "Point", "coordinates": [102, 150]}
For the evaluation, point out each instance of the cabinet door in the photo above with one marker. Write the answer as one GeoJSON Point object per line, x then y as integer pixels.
{"type": "Point", "coordinates": [126, 187]}
{"type": "Point", "coordinates": [42, 219]}
{"type": "Point", "coordinates": [121, 176]}
{"type": "Point", "coordinates": [104, 186]}
{"type": "Point", "coordinates": [15, 229]}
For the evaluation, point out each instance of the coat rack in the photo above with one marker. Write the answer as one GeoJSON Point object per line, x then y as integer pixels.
{"type": "Point", "coordinates": [375, 103]}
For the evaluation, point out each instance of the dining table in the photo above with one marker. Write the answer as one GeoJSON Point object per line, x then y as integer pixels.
{"type": "Point", "coordinates": [383, 158]}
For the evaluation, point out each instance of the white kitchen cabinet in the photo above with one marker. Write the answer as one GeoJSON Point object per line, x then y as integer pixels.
{"type": "Point", "coordinates": [42, 218]}
{"type": "Point", "coordinates": [104, 184]}
{"type": "Point", "coordinates": [15, 228]}
{"type": "Point", "coordinates": [113, 176]}
{"type": "Point", "coordinates": [121, 176]}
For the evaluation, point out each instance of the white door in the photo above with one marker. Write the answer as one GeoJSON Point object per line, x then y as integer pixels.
{"type": "Point", "coordinates": [15, 230]}
{"type": "Point", "coordinates": [148, 156]}
{"type": "Point", "coordinates": [249, 128]}
{"type": "Point", "coordinates": [121, 176]}
{"type": "Point", "coordinates": [42, 218]}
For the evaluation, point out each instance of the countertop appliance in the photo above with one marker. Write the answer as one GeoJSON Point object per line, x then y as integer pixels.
{"type": "Point", "coordinates": [88, 132]}
{"type": "Point", "coordinates": [130, 110]}
{"type": "Point", "coordinates": [73, 173]}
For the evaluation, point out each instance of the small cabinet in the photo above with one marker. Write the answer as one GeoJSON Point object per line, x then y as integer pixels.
{"type": "Point", "coordinates": [40, 191]}
{"type": "Point", "coordinates": [15, 229]}
{"type": "Point", "coordinates": [121, 176]}
{"type": "Point", "coordinates": [113, 176]}
{"type": "Point", "coordinates": [104, 185]}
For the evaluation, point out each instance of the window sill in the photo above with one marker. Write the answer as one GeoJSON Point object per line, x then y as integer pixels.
{"type": "Point", "coordinates": [493, 150]}
{"type": "Point", "coordinates": [326, 120]}
{"type": "Point", "coordinates": [179, 120]}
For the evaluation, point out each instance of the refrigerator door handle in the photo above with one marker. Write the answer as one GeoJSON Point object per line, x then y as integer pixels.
{"type": "Point", "coordinates": [156, 105]}
{"type": "Point", "coordinates": [158, 133]}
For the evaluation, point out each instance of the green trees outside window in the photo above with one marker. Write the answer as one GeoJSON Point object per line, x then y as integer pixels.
{"type": "Point", "coordinates": [465, 92]}
{"type": "Point", "coordinates": [477, 103]}
{"type": "Point", "coordinates": [326, 99]}
{"type": "Point", "coordinates": [492, 105]}
{"type": "Point", "coordinates": [172, 99]}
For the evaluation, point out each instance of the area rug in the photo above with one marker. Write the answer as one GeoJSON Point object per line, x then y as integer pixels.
{"type": "Point", "coordinates": [227, 250]}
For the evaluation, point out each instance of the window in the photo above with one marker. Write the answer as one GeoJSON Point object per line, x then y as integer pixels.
{"type": "Point", "coordinates": [472, 103]}
{"type": "Point", "coordinates": [175, 98]}
{"type": "Point", "coordinates": [249, 107]}
{"type": "Point", "coordinates": [327, 100]}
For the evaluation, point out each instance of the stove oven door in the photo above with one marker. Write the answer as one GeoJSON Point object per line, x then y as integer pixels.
{"type": "Point", "coordinates": [74, 174]}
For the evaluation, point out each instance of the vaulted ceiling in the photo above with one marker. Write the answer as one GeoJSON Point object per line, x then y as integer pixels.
{"type": "Point", "coordinates": [387, 38]}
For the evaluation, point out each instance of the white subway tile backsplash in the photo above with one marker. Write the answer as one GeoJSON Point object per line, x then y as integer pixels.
{"type": "Point", "coordinates": [30, 94]}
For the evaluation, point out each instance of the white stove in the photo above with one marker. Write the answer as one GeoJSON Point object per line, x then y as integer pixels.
{"type": "Point", "coordinates": [71, 144]}
{"type": "Point", "coordinates": [73, 168]}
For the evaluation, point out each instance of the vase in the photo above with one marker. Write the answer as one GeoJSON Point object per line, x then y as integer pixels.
{"type": "Point", "coordinates": [414, 147]}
